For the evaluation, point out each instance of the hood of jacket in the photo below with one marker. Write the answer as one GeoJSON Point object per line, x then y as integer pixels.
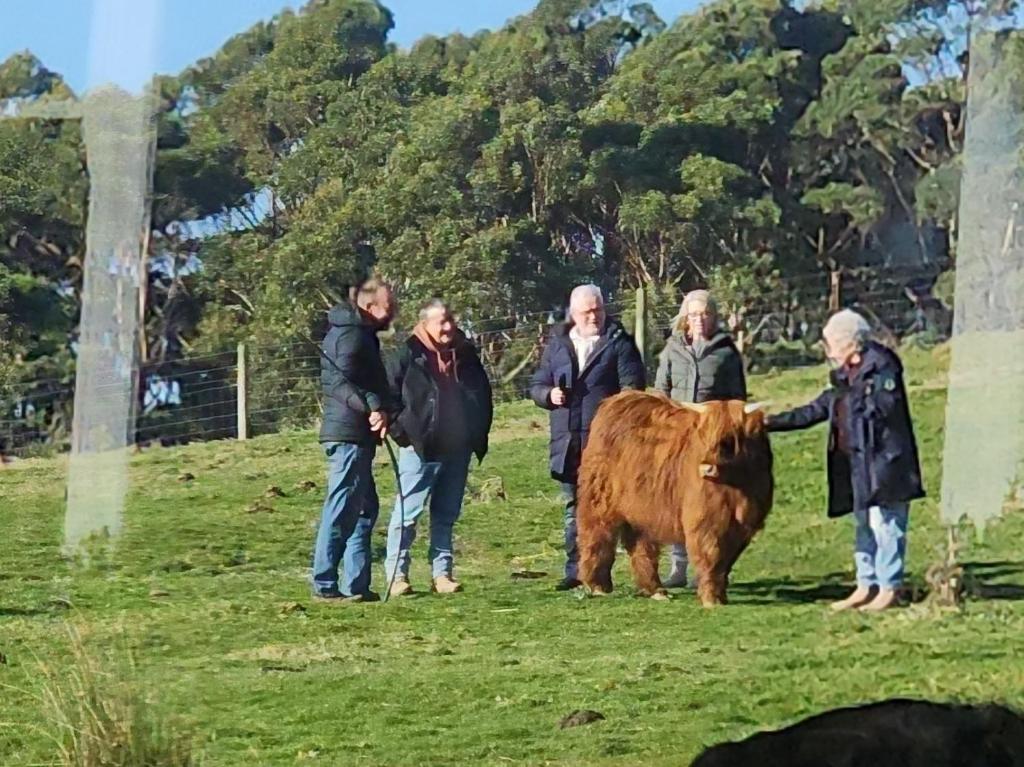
{"type": "Point", "coordinates": [720, 338]}
{"type": "Point", "coordinates": [611, 327]}
{"type": "Point", "coordinates": [344, 314]}
{"type": "Point", "coordinates": [873, 356]}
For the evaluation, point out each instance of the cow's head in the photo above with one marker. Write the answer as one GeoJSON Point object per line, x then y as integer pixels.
{"type": "Point", "coordinates": [732, 438]}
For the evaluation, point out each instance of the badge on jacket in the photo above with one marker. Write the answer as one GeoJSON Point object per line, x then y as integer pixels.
{"type": "Point", "coordinates": [889, 384]}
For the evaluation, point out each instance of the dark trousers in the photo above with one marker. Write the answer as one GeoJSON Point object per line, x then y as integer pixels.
{"type": "Point", "coordinates": [568, 480]}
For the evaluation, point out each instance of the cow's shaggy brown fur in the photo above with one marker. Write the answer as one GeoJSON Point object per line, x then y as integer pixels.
{"type": "Point", "coordinates": [655, 472]}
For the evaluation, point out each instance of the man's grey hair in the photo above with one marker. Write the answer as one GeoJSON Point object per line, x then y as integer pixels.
{"type": "Point", "coordinates": [585, 291]}
{"type": "Point", "coordinates": [847, 326]}
{"type": "Point", "coordinates": [429, 306]}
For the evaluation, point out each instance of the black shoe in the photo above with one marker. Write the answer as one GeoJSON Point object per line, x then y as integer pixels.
{"type": "Point", "coordinates": [370, 596]}
{"type": "Point", "coordinates": [567, 584]}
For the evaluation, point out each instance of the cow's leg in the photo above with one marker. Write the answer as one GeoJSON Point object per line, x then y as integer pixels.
{"type": "Point", "coordinates": [643, 557]}
{"type": "Point", "coordinates": [706, 556]}
{"type": "Point", "coordinates": [739, 539]}
{"type": "Point", "coordinates": [733, 544]}
{"type": "Point", "coordinates": [597, 543]}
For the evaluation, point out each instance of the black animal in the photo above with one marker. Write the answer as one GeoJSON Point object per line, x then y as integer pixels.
{"type": "Point", "coordinates": [893, 733]}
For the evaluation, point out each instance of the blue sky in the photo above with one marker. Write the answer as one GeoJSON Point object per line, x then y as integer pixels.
{"type": "Point", "coordinates": [133, 38]}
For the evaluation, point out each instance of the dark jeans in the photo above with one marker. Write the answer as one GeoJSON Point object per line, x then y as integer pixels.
{"type": "Point", "coordinates": [572, 552]}
{"type": "Point", "coordinates": [568, 482]}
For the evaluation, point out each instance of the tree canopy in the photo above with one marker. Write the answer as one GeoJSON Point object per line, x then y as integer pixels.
{"type": "Point", "coordinates": [586, 140]}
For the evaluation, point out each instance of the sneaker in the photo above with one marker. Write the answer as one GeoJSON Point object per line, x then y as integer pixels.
{"type": "Point", "coordinates": [370, 596]}
{"type": "Point", "coordinates": [444, 584]}
{"type": "Point", "coordinates": [567, 584]}
{"type": "Point", "coordinates": [400, 588]}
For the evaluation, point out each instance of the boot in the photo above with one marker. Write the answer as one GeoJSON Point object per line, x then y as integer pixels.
{"type": "Point", "coordinates": [400, 587]}
{"type": "Point", "coordinates": [444, 584]}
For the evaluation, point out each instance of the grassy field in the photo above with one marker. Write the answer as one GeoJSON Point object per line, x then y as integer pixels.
{"type": "Point", "coordinates": [207, 589]}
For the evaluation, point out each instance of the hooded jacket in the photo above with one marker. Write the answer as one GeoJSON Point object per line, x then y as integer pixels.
{"type": "Point", "coordinates": [715, 373]}
{"type": "Point", "coordinates": [352, 377]}
{"type": "Point", "coordinates": [614, 364]}
{"type": "Point", "coordinates": [879, 463]}
{"type": "Point", "coordinates": [420, 422]}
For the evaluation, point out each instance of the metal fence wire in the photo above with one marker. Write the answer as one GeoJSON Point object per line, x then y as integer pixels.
{"type": "Point", "coordinates": [197, 398]}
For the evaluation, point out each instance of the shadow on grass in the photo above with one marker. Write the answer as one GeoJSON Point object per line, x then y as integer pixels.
{"type": "Point", "coordinates": [22, 612]}
{"type": "Point", "coordinates": [982, 579]}
{"type": "Point", "coordinates": [788, 591]}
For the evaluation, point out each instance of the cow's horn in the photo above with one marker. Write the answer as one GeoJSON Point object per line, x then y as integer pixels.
{"type": "Point", "coordinates": [696, 407]}
{"type": "Point", "coordinates": [753, 407]}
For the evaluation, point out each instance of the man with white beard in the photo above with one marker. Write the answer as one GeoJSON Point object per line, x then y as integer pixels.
{"type": "Point", "coordinates": [586, 360]}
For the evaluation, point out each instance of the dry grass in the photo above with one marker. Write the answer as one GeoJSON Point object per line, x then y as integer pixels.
{"type": "Point", "coordinates": [102, 718]}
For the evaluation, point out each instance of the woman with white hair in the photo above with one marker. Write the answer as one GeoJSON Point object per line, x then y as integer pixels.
{"type": "Point", "coordinates": [873, 468]}
{"type": "Point", "coordinates": [700, 363]}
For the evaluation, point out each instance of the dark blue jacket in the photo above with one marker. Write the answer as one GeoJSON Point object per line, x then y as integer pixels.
{"type": "Point", "coordinates": [614, 365]}
{"type": "Point", "coordinates": [352, 377]}
{"type": "Point", "coordinates": [883, 466]}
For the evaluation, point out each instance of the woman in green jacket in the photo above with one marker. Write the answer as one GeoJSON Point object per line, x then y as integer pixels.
{"type": "Point", "coordinates": [700, 362]}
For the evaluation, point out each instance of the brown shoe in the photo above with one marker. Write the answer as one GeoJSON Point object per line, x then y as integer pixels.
{"type": "Point", "coordinates": [400, 588]}
{"type": "Point", "coordinates": [446, 585]}
{"type": "Point", "coordinates": [338, 599]}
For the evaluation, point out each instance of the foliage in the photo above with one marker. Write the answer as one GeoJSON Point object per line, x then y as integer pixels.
{"type": "Point", "coordinates": [586, 140]}
{"type": "Point", "coordinates": [207, 589]}
{"type": "Point", "coordinates": [100, 716]}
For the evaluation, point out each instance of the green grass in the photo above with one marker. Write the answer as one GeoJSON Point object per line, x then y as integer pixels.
{"type": "Point", "coordinates": [210, 597]}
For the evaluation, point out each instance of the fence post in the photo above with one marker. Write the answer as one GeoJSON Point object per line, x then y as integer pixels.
{"type": "Point", "coordinates": [640, 330]}
{"type": "Point", "coordinates": [242, 389]}
{"type": "Point", "coordinates": [835, 290]}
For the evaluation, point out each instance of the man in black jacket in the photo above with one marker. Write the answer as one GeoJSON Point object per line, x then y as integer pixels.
{"type": "Point", "coordinates": [356, 416]}
{"type": "Point", "coordinates": [444, 418]}
{"type": "Point", "coordinates": [587, 360]}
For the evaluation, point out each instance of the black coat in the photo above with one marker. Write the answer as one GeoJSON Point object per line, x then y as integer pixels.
{"type": "Point", "coordinates": [352, 377]}
{"type": "Point", "coordinates": [883, 466]}
{"type": "Point", "coordinates": [614, 365]}
{"type": "Point", "coordinates": [415, 388]}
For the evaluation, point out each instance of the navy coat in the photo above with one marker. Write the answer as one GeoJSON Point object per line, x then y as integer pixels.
{"type": "Point", "coordinates": [614, 365]}
{"type": "Point", "coordinates": [352, 377]}
{"type": "Point", "coordinates": [883, 466]}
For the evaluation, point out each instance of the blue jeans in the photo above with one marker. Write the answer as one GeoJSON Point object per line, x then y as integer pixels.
{"type": "Point", "coordinates": [346, 522]}
{"type": "Point", "coordinates": [881, 545]}
{"type": "Point", "coordinates": [572, 551]}
{"type": "Point", "coordinates": [444, 481]}
{"type": "Point", "coordinates": [679, 558]}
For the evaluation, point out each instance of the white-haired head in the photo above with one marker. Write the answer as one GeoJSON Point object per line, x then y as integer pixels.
{"type": "Point", "coordinates": [583, 293]}
{"type": "Point", "coordinates": [586, 310]}
{"type": "Point", "coordinates": [845, 334]}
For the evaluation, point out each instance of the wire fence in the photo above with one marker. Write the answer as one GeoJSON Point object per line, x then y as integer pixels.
{"type": "Point", "coordinates": [197, 398]}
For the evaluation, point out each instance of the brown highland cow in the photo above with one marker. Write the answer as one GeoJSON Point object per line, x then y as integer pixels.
{"type": "Point", "coordinates": [657, 472]}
